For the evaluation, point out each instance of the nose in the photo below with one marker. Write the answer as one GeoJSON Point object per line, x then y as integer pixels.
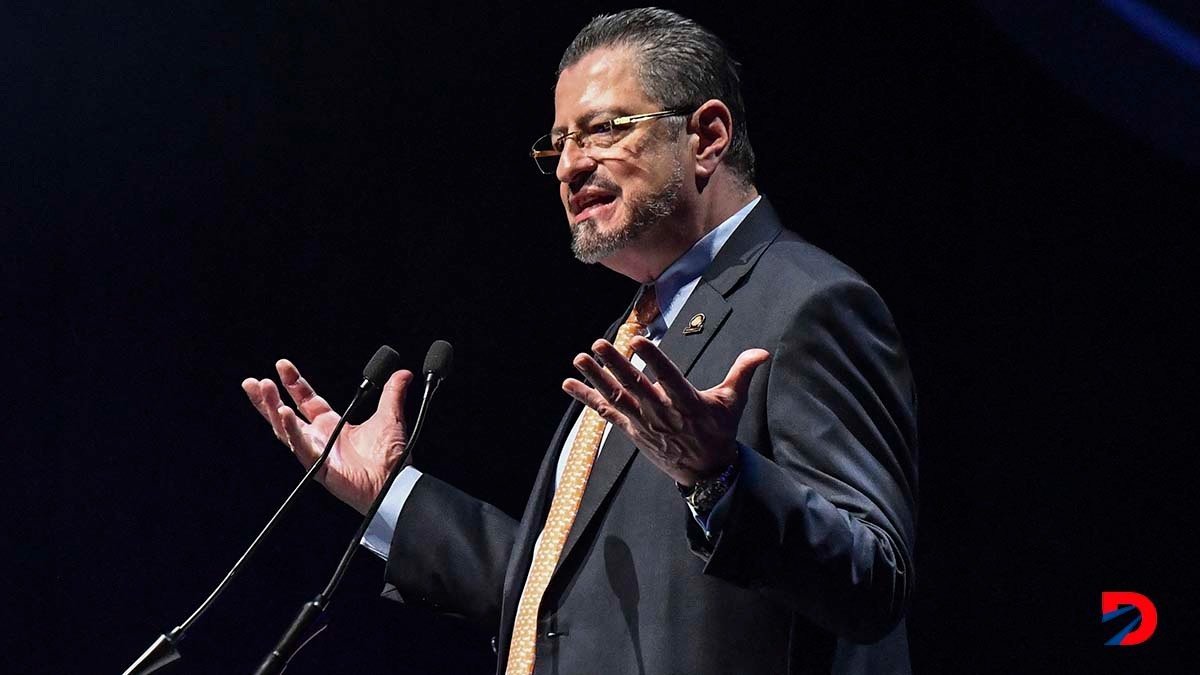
{"type": "Point", "coordinates": [573, 162]}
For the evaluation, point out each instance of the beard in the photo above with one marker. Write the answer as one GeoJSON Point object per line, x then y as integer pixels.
{"type": "Point", "coordinates": [591, 246]}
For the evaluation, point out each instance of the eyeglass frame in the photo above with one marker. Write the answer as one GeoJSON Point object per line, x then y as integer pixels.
{"type": "Point", "coordinates": [581, 135]}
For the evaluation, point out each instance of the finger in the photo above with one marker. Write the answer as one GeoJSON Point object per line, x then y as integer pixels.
{"type": "Point", "coordinates": [592, 399]}
{"type": "Point", "coordinates": [606, 385]}
{"type": "Point", "coordinates": [307, 401]}
{"type": "Point", "coordinates": [305, 451]}
{"type": "Point", "coordinates": [253, 389]}
{"type": "Point", "coordinates": [272, 404]}
{"type": "Point", "coordinates": [673, 381]}
{"type": "Point", "coordinates": [626, 373]}
{"type": "Point", "coordinates": [742, 370]}
{"type": "Point", "coordinates": [395, 393]}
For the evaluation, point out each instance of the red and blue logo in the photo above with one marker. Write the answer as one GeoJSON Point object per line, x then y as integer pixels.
{"type": "Point", "coordinates": [1137, 616]}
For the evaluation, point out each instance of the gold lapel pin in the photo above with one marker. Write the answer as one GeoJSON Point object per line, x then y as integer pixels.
{"type": "Point", "coordinates": [695, 325]}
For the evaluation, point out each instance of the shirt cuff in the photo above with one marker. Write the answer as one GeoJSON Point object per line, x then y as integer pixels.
{"type": "Point", "coordinates": [716, 518]}
{"type": "Point", "coordinates": [378, 537]}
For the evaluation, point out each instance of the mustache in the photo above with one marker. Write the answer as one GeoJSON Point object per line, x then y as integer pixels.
{"type": "Point", "coordinates": [593, 181]}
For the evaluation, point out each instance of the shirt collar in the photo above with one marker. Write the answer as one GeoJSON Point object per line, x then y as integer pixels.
{"type": "Point", "coordinates": [676, 283]}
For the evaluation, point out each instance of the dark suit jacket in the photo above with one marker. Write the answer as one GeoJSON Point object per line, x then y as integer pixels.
{"type": "Point", "coordinates": [813, 567]}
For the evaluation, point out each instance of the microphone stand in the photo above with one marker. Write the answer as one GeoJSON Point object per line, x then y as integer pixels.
{"type": "Point", "coordinates": [311, 619]}
{"type": "Point", "coordinates": [165, 649]}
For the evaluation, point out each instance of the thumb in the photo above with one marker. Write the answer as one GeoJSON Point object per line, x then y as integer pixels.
{"type": "Point", "coordinates": [395, 392]}
{"type": "Point", "coordinates": [743, 369]}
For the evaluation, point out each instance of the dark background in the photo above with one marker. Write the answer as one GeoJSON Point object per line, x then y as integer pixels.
{"type": "Point", "coordinates": [193, 190]}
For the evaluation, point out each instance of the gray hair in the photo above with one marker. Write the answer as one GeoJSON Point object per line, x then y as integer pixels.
{"type": "Point", "coordinates": [682, 64]}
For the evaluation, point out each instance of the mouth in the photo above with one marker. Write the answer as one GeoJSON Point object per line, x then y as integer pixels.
{"type": "Point", "coordinates": [592, 204]}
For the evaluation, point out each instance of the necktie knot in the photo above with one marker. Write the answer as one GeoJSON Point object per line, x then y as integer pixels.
{"type": "Point", "coordinates": [645, 310]}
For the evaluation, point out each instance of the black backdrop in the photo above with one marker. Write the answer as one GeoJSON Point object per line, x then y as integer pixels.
{"type": "Point", "coordinates": [192, 191]}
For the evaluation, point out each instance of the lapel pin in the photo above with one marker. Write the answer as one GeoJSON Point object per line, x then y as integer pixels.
{"type": "Point", "coordinates": [695, 325]}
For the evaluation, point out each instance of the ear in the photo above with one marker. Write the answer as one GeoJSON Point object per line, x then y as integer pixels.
{"type": "Point", "coordinates": [711, 127]}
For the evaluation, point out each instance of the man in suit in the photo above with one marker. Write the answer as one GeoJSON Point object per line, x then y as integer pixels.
{"type": "Point", "coordinates": [743, 497]}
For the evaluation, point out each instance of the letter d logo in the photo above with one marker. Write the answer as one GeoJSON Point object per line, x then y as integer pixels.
{"type": "Point", "coordinates": [1141, 614]}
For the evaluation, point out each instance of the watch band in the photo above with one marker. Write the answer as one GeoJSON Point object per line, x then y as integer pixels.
{"type": "Point", "coordinates": [704, 495]}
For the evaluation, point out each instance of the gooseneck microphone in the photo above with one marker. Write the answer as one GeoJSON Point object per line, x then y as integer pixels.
{"type": "Point", "coordinates": [165, 650]}
{"type": "Point", "coordinates": [311, 619]}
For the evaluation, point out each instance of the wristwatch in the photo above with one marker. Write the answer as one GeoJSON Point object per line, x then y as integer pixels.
{"type": "Point", "coordinates": [704, 495]}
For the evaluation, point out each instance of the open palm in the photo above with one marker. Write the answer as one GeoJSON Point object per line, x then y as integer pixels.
{"type": "Point", "coordinates": [363, 455]}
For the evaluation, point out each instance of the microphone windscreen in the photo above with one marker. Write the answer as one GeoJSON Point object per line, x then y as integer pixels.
{"type": "Point", "coordinates": [381, 366]}
{"type": "Point", "coordinates": [439, 359]}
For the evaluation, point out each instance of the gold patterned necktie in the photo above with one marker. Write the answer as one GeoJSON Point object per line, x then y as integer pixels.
{"type": "Point", "coordinates": [567, 497]}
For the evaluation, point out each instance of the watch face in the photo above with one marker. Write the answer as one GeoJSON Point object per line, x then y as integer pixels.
{"type": "Point", "coordinates": [706, 494]}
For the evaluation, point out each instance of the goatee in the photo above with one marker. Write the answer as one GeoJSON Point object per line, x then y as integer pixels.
{"type": "Point", "coordinates": [591, 246]}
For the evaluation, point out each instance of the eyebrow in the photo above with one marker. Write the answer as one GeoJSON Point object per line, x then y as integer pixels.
{"type": "Point", "coordinates": [607, 113]}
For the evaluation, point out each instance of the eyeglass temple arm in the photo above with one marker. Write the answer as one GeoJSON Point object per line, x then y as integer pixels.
{"type": "Point", "coordinates": [617, 122]}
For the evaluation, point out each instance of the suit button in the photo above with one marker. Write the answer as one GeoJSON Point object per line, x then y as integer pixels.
{"type": "Point", "coordinates": [495, 645]}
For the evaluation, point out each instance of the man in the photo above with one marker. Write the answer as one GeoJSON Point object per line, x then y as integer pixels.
{"type": "Point", "coordinates": [746, 504]}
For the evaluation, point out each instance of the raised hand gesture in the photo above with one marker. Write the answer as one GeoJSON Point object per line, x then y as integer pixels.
{"type": "Point", "coordinates": [363, 455]}
{"type": "Point", "coordinates": [687, 433]}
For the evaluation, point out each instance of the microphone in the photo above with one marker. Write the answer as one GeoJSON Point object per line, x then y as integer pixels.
{"type": "Point", "coordinates": [311, 620]}
{"type": "Point", "coordinates": [439, 360]}
{"type": "Point", "coordinates": [165, 650]}
{"type": "Point", "coordinates": [381, 366]}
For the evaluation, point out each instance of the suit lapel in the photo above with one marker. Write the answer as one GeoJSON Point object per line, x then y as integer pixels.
{"type": "Point", "coordinates": [619, 450]}
{"type": "Point", "coordinates": [538, 505]}
{"type": "Point", "coordinates": [536, 510]}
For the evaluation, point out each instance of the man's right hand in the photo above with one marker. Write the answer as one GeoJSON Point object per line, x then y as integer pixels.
{"type": "Point", "coordinates": [363, 455]}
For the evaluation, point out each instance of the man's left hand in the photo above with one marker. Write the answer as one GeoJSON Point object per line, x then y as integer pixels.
{"type": "Point", "coordinates": [687, 433]}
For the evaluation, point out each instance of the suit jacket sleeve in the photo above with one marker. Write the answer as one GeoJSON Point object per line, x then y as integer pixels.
{"type": "Point", "coordinates": [824, 519]}
{"type": "Point", "coordinates": [450, 551]}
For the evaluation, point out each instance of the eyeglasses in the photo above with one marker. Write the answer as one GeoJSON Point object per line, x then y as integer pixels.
{"type": "Point", "coordinates": [598, 137]}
